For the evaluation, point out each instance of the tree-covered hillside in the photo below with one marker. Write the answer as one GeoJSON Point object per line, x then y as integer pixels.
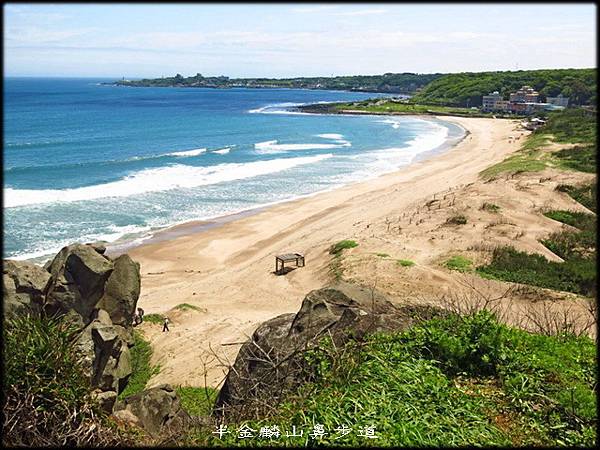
{"type": "Point", "coordinates": [390, 82]}
{"type": "Point", "coordinates": [466, 89]}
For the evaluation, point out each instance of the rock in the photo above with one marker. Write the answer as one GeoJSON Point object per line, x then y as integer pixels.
{"type": "Point", "coordinates": [152, 408]}
{"type": "Point", "coordinates": [105, 354]}
{"type": "Point", "coordinates": [106, 399]}
{"type": "Point", "coordinates": [99, 246]}
{"type": "Point", "coordinates": [78, 275]}
{"type": "Point", "coordinates": [272, 360]}
{"type": "Point", "coordinates": [122, 291]}
{"type": "Point", "coordinates": [23, 286]}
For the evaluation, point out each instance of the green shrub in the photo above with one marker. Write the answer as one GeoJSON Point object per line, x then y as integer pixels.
{"type": "Point", "coordinates": [581, 158]}
{"type": "Point", "coordinates": [508, 264]}
{"type": "Point", "coordinates": [197, 401]}
{"type": "Point", "coordinates": [142, 370]}
{"type": "Point", "coordinates": [490, 207]}
{"type": "Point", "coordinates": [584, 194]}
{"type": "Point", "coordinates": [459, 263]}
{"type": "Point", "coordinates": [154, 318]}
{"type": "Point", "coordinates": [458, 219]}
{"type": "Point", "coordinates": [382, 255]}
{"type": "Point", "coordinates": [342, 245]}
{"type": "Point", "coordinates": [406, 262]}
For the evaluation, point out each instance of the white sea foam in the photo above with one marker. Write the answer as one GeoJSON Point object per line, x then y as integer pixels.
{"type": "Point", "coordinates": [338, 138]}
{"type": "Point", "coordinates": [267, 147]}
{"type": "Point", "coordinates": [394, 123]}
{"type": "Point", "coordinates": [195, 152]}
{"type": "Point", "coordinates": [222, 151]}
{"type": "Point", "coordinates": [160, 179]}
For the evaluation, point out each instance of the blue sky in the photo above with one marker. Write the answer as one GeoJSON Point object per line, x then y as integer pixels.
{"type": "Point", "coordinates": [296, 39]}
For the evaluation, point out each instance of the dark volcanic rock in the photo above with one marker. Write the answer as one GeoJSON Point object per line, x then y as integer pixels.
{"type": "Point", "coordinates": [23, 286]}
{"type": "Point", "coordinates": [272, 360]}
{"type": "Point", "coordinates": [152, 409]}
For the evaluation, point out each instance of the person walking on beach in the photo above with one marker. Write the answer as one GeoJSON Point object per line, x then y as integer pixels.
{"type": "Point", "coordinates": [166, 324]}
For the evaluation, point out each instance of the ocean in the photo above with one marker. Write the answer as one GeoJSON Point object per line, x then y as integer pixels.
{"type": "Point", "coordinates": [85, 161]}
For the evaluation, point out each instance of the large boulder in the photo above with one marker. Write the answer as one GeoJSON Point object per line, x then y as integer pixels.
{"type": "Point", "coordinates": [105, 354]}
{"type": "Point", "coordinates": [122, 291]}
{"type": "Point", "coordinates": [152, 409]}
{"type": "Point", "coordinates": [23, 286]}
{"type": "Point", "coordinates": [78, 275]}
{"type": "Point", "coordinates": [272, 360]}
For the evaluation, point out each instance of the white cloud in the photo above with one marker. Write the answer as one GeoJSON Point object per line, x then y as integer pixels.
{"type": "Point", "coordinates": [363, 12]}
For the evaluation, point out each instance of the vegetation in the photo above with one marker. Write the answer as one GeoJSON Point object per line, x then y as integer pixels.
{"type": "Point", "coordinates": [490, 207]}
{"type": "Point", "coordinates": [382, 255]}
{"type": "Point", "coordinates": [466, 89]}
{"type": "Point", "coordinates": [154, 318]}
{"type": "Point", "coordinates": [569, 126]}
{"type": "Point", "coordinates": [142, 370]}
{"type": "Point", "coordinates": [459, 263]}
{"type": "Point", "coordinates": [47, 393]}
{"type": "Point", "coordinates": [342, 245]}
{"type": "Point", "coordinates": [197, 401]}
{"type": "Point", "coordinates": [457, 219]}
{"type": "Point", "coordinates": [450, 381]}
{"type": "Point", "coordinates": [187, 306]}
{"type": "Point", "coordinates": [584, 194]}
{"type": "Point", "coordinates": [406, 262]}
{"type": "Point", "coordinates": [389, 82]}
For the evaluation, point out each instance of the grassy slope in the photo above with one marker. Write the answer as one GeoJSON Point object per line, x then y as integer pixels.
{"type": "Point", "coordinates": [449, 381]}
{"type": "Point", "coordinates": [576, 247]}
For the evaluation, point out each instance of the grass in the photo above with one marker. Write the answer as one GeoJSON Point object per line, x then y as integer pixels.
{"type": "Point", "coordinates": [457, 219]}
{"type": "Point", "coordinates": [142, 369]}
{"type": "Point", "coordinates": [342, 245]}
{"type": "Point", "coordinates": [372, 106]}
{"type": "Point", "coordinates": [382, 255]}
{"type": "Point", "coordinates": [197, 401]}
{"type": "Point", "coordinates": [584, 194]}
{"type": "Point", "coordinates": [187, 306]}
{"type": "Point", "coordinates": [154, 318]}
{"type": "Point", "coordinates": [450, 381]}
{"type": "Point", "coordinates": [568, 126]}
{"type": "Point", "coordinates": [405, 262]}
{"type": "Point", "coordinates": [459, 263]}
{"type": "Point", "coordinates": [490, 207]}
{"type": "Point", "coordinates": [47, 394]}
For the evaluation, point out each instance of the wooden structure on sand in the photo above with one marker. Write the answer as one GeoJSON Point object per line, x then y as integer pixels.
{"type": "Point", "coordinates": [280, 261]}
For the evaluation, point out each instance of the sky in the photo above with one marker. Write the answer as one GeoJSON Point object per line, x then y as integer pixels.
{"type": "Point", "coordinates": [295, 39]}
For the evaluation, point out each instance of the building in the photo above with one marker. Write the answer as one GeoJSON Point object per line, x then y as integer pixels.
{"type": "Point", "coordinates": [525, 94]}
{"type": "Point", "coordinates": [558, 101]}
{"type": "Point", "coordinates": [488, 102]}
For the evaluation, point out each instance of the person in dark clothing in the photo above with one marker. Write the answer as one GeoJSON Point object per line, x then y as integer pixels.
{"type": "Point", "coordinates": [166, 324]}
{"type": "Point", "coordinates": [140, 313]}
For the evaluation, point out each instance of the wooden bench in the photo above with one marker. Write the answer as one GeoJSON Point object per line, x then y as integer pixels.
{"type": "Point", "coordinates": [280, 260]}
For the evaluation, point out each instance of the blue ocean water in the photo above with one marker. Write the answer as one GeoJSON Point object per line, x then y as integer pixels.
{"type": "Point", "coordinates": [85, 161]}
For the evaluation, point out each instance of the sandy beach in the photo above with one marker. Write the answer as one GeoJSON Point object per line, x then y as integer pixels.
{"type": "Point", "coordinates": [226, 272]}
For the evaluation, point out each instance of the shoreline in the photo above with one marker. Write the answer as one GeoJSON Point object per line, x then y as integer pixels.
{"type": "Point", "coordinates": [226, 271]}
{"type": "Point", "coordinates": [192, 227]}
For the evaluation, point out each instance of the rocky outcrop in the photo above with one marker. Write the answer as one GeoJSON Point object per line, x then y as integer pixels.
{"type": "Point", "coordinates": [272, 360]}
{"type": "Point", "coordinates": [98, 294]}
{"type": "Point", "coordinates": [151, 409]}
{"type": "Point", "coordinates": [121, 291]}
{"type": "Point", "coordinates": [23, 287]}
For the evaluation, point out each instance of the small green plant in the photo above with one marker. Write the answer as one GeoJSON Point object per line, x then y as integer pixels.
{"type": "Point", "coordinates": [457, 219]}
{"type": "Point", "coordinates": [459, 263]}
{"type": "Point", "coordinates": [142, 369]}
{"type": "Point", "coordinates": [490, 207]}
{"type": "Point", "coordinates": [405, 262]}
{"type": "Point", "coordinates": [154, 318]}
{"type": "Point", "coordinates": [187, 306]}
{"type": "Point", "coordinates": [342, 245]}
{"type": "Point", "coordinates": [197, 401]}
{"type": "Point", "coordinates": [383, 255]}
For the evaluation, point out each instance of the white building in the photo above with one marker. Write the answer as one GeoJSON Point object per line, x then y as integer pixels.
{"type": "Point", "coordinates": [558, 101]}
